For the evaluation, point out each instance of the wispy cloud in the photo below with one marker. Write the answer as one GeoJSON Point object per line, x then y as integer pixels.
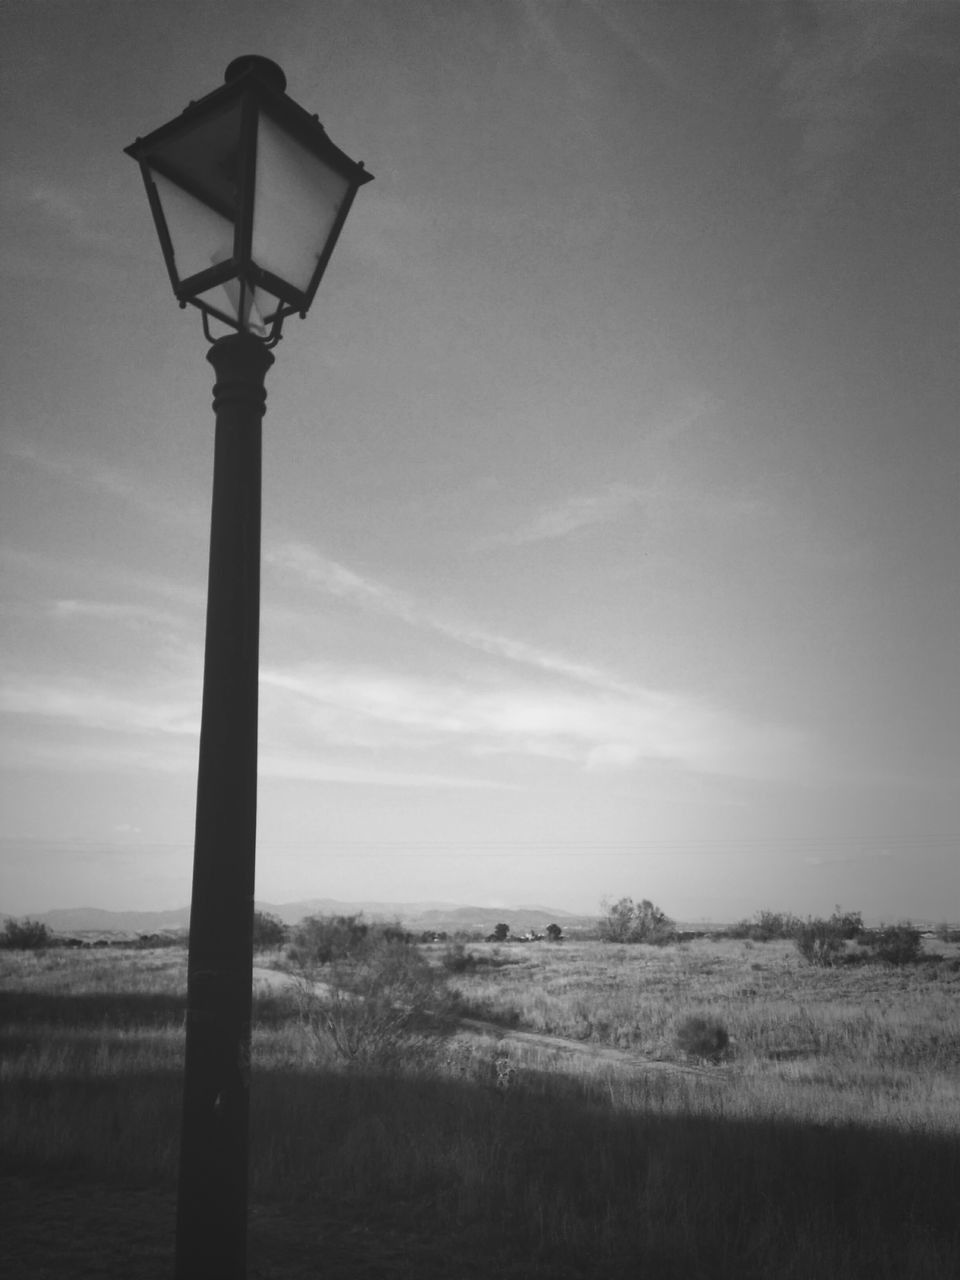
{"type": "Point", "coordinates": [634, 28]}
{"type": "Point", "coordinates": [336, 704]}
{"type": "Point", "coordinates": [112, 579]}
{"type": "Point", "coordinates": [572, 514]}
{"type": "Point", "coordinates": [337, 580]}
{"type": "Point", "coordinates": [124, 613]}
{"type": "Point", "coordinates": [71, 211]}
{"type": "Point", "coordinates": [63, 230]}
{"type": "Point", "coordinates": [97, 476]}
{"type": "Point", "coordinates": [554, 706]}
{"type": "Point", "coordinates": [616, 500]}
{"type": "Point", "coordinates": [828, 57]}
{"type": "Point", "coordinates": [625, 21]}
{"type": "Point", "coordinates": [100, 704]}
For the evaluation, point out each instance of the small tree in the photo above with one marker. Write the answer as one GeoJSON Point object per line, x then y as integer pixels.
{"type": "Point", "coordinates": [653, 925]}
{"type": "Point", "coordinates": [616, 923]}
{"type": "Point", "coordinates": [766, 926]}
{"type": "Point", "coordinates": [626, 921]}
{"type": "Point", "coordinates": [323, 939]}
{"type": "Point", "coordinates": [848, 924]}
{"type": "Point", "coordinates": [25, 935]}
{"type": "Point", "coordinates": [820, 943]}
{"type": "Point", "coordinates": [269, 931]}
{"type": "Point", "coordinates": [382, 1005]}
{"type": "Point", "coordinates": [554, 933]}
{"type": "Point", "coordinates": [500, 933]}
{"type": "Point", "coordinates": [898, 943]}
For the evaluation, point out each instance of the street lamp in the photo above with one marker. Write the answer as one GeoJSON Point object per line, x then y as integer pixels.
{"type": "Point", "coordinates": [248, 195]}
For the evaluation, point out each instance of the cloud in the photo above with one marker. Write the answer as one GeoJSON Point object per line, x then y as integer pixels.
{"type": "Point", "coordinates": [63, 231]}
{"type": "Point", "coordinates": [345, 705]}
{"type": "Point", "coordinates": [626, 22]}
{"type": "Point", "coordinates": [337, 580]}
{"type": "Point", "coordinates": [96, 704]}
{"type": "Point", "coordinates": [551, 705]}
{"type": "Point", "coordinates": [657, 439]}
{"type": "Point", "coordinates": [37, 566]}
{"type": "Point", "coordinates": [70, 212]}
{"type": "Point", "coordinates": [828, 58]}
{"type": "Point", "coordinates": [136, 616]}
{"type": "Point", "coordinates": [277, 763]}
{"type": "Point", "coordinates": [96, 475]}
{"type": "Point", "coordinates": [580, 511]}
{"type": "Point", "coordinates": [634, 28]}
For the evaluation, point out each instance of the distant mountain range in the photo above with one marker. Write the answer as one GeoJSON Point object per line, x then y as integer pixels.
{"type": "Point", "coordinates": [448, 917]}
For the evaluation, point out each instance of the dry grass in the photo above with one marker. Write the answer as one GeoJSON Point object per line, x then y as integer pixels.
{"type": "Point", "coordinates": [826, 1142]}
{"type": "Point", "coordinates": [866, 1043]}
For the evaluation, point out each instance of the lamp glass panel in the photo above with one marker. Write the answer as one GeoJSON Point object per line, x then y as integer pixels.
{"type": "Point", "coordinates": [296, 204]}
{"type": "Point", "coordinates": [204, 159]}
{"type": "Point", "coordinates": [199, 236]}
{"type": "Point", "coordinates": [252, 309]}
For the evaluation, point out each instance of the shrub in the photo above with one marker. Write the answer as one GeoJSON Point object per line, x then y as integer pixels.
{"type": "Point", "coordinates": [848, 924]}
{"type": "Point", "coordinates": [269, 931]}
{"type": "Point", "coordinates": [457, 959]}
{"type": "Point", "coordinates": [897, 943]}
{"type": "Point", "coordinates": [767, 926]}
{"type": "Point", "coordinates": [378, 1007]}
{"type": "Point", "coordinates": [25, 935]}
{"type": "Point", "coordinates": [820, 943]}
{"type": "Point", "coordinates": [554, 933]}
{"type": "Point", "coordinates": [626, 921]}
{"type": "Point", "coordinates": [153, 941]}
{"type": "Point", "coordinates": [701, 1037]}
{"type": "Point", "coordinates": [324, 939]}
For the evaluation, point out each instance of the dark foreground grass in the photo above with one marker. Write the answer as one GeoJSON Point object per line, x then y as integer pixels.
{"type": "Point", "coordinates": [364, 1174]}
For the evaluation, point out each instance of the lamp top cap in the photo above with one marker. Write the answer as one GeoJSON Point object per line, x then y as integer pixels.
{"type": "Point", "coordinates": [265, 68]}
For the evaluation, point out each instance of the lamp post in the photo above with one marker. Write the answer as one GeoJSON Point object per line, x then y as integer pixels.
{"type": "Point", "coordinates": [248, 195]}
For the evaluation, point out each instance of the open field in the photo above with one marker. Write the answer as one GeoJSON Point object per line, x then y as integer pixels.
{"type": "Point", "coordinates": [826, 1141]}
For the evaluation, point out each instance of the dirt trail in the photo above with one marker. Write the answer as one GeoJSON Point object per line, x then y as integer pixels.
{"type": "Point", "coordinates": [623, 1058]}
{"type": "Point", "coordinates": [586, 1049]}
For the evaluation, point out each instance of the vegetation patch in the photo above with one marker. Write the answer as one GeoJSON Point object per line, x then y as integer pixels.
{"type": "Point", "coordinates": [385, 1140]}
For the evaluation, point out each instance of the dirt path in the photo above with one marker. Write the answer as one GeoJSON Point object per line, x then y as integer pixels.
{"type": "Point", "coordinates": [277, 980]}
{"type": "Point", "coordinates": [585, 1049]}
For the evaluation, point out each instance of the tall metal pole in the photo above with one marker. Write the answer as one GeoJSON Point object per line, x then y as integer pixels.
{"type": "Point", "coordinates": [212, 1189]}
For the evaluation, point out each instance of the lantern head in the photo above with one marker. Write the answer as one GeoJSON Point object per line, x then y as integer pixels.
{"type": "Point", "coordinates": [249, 196]}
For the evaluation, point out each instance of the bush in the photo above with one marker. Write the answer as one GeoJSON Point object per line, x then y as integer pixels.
{"type": "Point", "coordinates": [820, 943]}
{"type": "Point", "coordinates": [154, 941]}
{"type": "Point", "coordinates": [381, 1006]}
{"type": "Point", "coordinates": [457, 959]}
{"type": "Point", "coordinates": [701, 1037]}
{"type": "Point", "coordinates": [269, 931]}
{"type": "Point", "coordinates": [848, 924]}
{"type": "Point", "coordinates": [897, 943]}
{"type": "Point", "coordinates": [324, 939]}
{"type": "Point", "coordinates": [767, 926]}
{"type": "Point", "coordinates": [25, 935]}
{"type": "Point", "coordinates": [626, 921]}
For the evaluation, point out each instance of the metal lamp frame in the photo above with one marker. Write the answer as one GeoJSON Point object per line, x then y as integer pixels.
{"type": "Point", "coordinates": [258, 86]}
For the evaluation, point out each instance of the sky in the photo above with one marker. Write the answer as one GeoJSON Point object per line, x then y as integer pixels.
{"type": "Point", "coordinates": [611, 506]}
